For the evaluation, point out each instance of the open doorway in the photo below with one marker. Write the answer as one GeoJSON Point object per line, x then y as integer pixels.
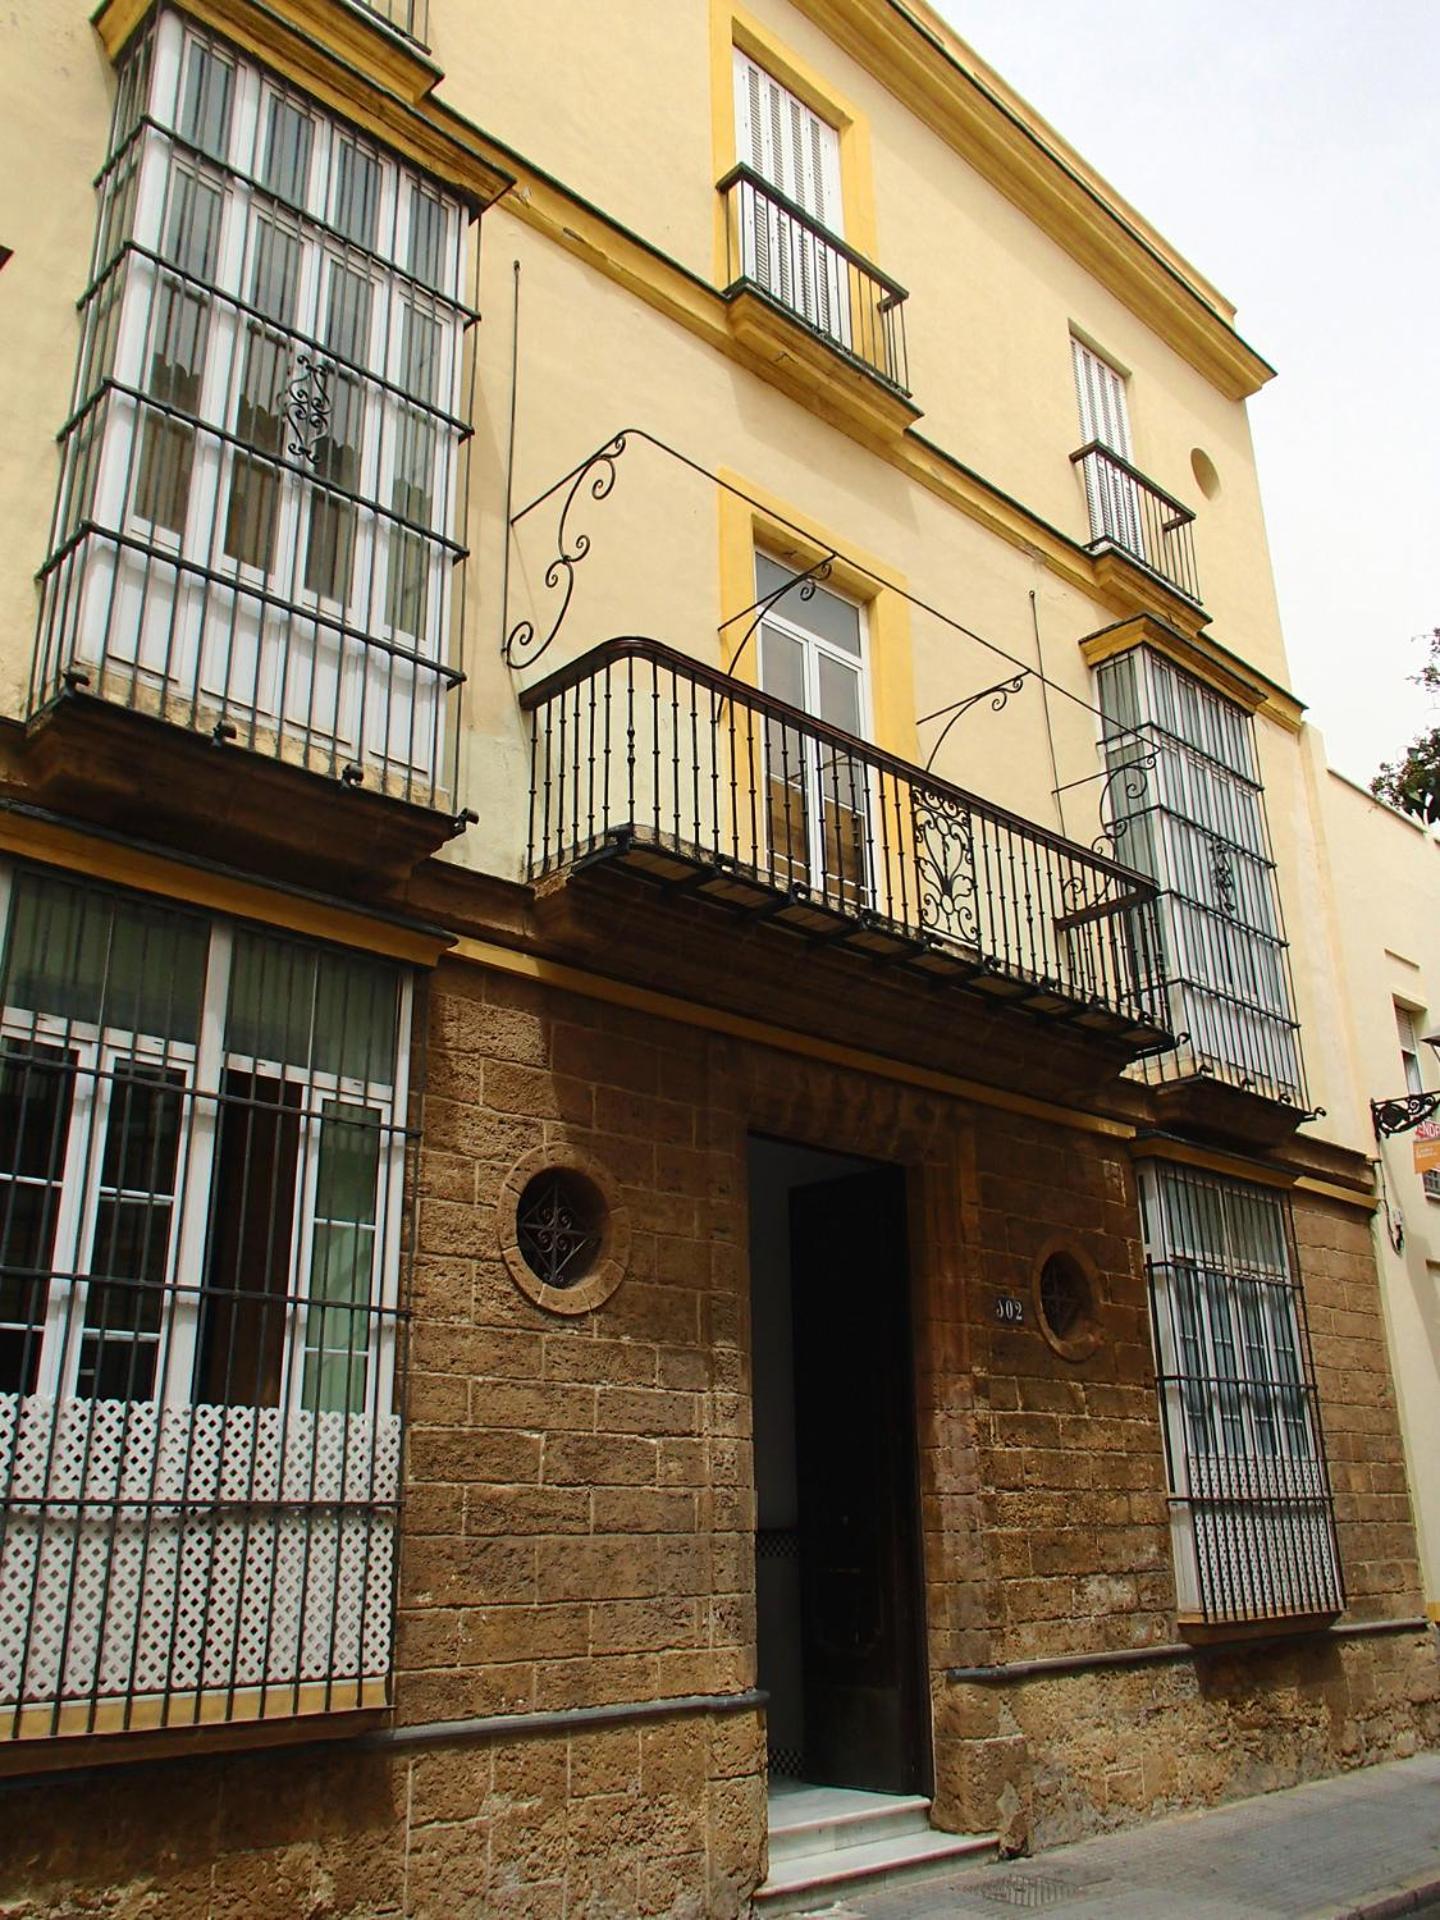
{"type": "Point", "coordinates": [839, 1617]}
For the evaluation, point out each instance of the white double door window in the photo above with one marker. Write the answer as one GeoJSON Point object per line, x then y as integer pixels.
{"type": "Point", "coordinates": [817, 795]}
{"type": "Point", "coordinates": [1111, 494]}
{"type": "Point", "coordinates": [798, 154]}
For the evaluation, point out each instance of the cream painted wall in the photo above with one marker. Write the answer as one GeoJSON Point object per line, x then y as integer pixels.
{"type": "Point", "coordinates": [56, 90]}
{"type": "Point", "coordinates": [617, 102]}
{"type": "Point", "coordinates": [1387, 875]}
{"type": "Point", "coordinates": [992, 302]}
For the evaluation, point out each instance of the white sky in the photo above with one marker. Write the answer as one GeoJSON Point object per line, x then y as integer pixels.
{"type": "Point", "coordinates": [1291, 150]}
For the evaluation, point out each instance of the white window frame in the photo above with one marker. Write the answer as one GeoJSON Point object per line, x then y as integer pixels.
{"type": "Point", "coordinates": [813, 648]}
{"type": "Point", "coordinates": [202, 1067]}
{"type": "Point", "coordinates": [247, 649]}
{"type": "Point", "coordinates": [1251, 1516]}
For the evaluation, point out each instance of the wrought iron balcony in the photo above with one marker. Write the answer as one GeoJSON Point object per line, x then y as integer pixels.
{"type": "Point", "coordinates": [1145, 523]}
{"type": "Point", "coordinates": [690, 777]}
{"type": "Point", "coordinates": [410, 17]}
{"type": "Point", "coordinates": [776, 249]}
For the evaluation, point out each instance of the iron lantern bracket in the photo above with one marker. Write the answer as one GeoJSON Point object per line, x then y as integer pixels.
{"type": "Point", "coordinates": [1404, 1114]}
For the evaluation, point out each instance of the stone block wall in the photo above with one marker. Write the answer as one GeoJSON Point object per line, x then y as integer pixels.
{"type": "Point", "coordinates": [579, 1510]}
{"type": "Point", "coordinates": [644, 1820]}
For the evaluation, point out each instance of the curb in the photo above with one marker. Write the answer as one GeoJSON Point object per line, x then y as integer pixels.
{"type": "Point", "coordinates": [1390, 1906]}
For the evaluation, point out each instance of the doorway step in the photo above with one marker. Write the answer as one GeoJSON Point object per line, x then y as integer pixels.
{"type": "Point", "coordinates": [825, 1841]}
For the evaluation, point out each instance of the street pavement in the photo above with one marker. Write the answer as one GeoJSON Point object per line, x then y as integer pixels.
{"type": "Point", "coordinates": [1364, 1846]}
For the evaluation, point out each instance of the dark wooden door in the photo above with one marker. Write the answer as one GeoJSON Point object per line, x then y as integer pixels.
{"type": "Point", "coordinates": [855, 1462]}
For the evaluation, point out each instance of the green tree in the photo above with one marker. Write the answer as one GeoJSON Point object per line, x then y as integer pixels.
{"type": "Point", "coordinates": [1413, 782]}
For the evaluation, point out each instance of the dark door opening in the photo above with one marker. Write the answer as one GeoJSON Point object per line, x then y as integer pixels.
{"type": "Point", "coordinates": [839, 1618]}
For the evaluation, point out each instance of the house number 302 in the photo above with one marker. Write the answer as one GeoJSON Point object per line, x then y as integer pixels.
{"type": "Point", "coordinates": [1009, 1310]}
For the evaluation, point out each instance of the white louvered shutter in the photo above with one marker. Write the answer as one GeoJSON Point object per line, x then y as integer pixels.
{"type": "Point", "coordinates": [1104, 415]}
{"type": "Point", "coordinates": [798, 154]}
{"type": "Point", "coordinates": [1112, 496]}
{"type": "Point", "coordinates": [787, 143]}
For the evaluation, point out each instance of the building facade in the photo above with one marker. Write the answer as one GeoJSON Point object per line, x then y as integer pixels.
{"type": "Point", "coordinates": [678, 1113]}
{"type": "Point", "coordinates": [1384, 865]}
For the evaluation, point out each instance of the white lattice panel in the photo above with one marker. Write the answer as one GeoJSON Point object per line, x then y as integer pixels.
{"type": "Point", "coordinates": [1260, 1535]}
{"type": "Point", "coordinates": [113, 1587]}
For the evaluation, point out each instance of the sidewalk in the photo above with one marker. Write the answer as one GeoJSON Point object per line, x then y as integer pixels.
{"type": "Point", "coordinates": [1365, 1844]}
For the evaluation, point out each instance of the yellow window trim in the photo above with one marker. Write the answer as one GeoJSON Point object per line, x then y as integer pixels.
{"type": "Point", "coordinates": [349, 63]}
{"type": "Point", "coordinates": [1233, 1167]}
{"type": "Point", "coordinates": [1203, 657]}
{"type": "Point", "coordinates": [731, 27]}
{"type": "Point", "coordinates": [797, 537]}
{"type": "Point", "coordinates": [115, 864]}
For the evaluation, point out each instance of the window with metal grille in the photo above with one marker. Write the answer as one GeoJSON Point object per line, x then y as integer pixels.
{"type": "Point", "coordinates": [201, 1171]}
{"type": "Point", "coordinates": [262, 459]}
{"type": "Point", "coordinates": [1252, 1517]}
{"type": "Point", "coordinates": [1186, 807]}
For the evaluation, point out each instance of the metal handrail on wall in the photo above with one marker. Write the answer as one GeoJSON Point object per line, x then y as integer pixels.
{"type": "Point", "coordinates": [774, 247]}
{"type": "Point", "coordinates": [1130, 512]}
{"type": "Point", "coordinates": [638, 747]}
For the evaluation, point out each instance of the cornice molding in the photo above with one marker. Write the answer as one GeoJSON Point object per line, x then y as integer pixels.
{"type": "Point", "coordinates": [1016, 157]}
{"type": "Point", "coordinates": [350, 62]}
{"type": "Point", "coordinates": [1199, 654]}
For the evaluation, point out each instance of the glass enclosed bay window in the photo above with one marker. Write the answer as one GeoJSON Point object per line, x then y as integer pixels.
{"type": "Point", "coordinates": [1187, 808]}
{"type": "Point", "coordinates": [255, 525]}
{"type": "Point", "coordinates": [202, 1135]}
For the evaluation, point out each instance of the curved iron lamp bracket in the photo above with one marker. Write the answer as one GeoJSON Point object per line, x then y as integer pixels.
{"type": "Point", "coordinates": [998, 696]}
{"type": "Point", "coordinates": [1403, 1114]}
{"type": "Point", "coordinates": [596, 479]}
{"type": "Point", "coordinates": [806, 582]}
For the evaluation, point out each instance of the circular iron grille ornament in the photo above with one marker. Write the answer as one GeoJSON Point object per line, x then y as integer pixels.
{"type": "Point", "coordinates": [559, 1226]}
{"type": "Point", "coordinates": [1065, 1293]}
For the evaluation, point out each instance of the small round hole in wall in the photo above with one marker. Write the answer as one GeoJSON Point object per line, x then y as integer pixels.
{"type": "Point", "coordinates": [1203, 468]}
{"type": "Point", "coordinates": [1065, 1303]}
{"type": "Point", "coordinates": [564, 1232]}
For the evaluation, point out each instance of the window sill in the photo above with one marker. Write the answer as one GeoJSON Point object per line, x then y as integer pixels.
{"type": "Point", "coordinates": [782, 349]}
{"type": "Point", "coordinates": [164, 1727]}
{"type": "Point", "coordinates": [1196, 1631]}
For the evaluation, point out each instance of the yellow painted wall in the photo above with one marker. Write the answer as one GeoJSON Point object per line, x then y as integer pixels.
{"type": "Point", "coordinates": [1387, 877]}
{"type": "Point", "coordinates": [626, 104]}
{"type": "Point", "coordinates": [56, 89]}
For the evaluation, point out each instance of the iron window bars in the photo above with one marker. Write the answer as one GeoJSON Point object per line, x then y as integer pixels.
{"type": "Point", "coordinates": [1146, 523]}
{"type": "Point", "coordinates": [775, 248]}
{"type": "Point", "coordinates": [1252, 1513]}
{"type": "Point", "coordinates": [1189, 810]}
{"type": "Point", "coordinates": [202, 1145]}
{"type": "Point", "coordinates": [261, 463]}
{"type": "Point", "coordinates": [642, 751]}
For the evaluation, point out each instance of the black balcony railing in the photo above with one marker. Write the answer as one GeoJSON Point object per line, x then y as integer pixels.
{"type": "Point", "coordinates": [410, 17]}
{"type": "Point", "coordinates": [689, 775]}
{"type": "Point", "coordinates": [1130, 512]}
{"type": "Point", "coordinates": [775, 248]}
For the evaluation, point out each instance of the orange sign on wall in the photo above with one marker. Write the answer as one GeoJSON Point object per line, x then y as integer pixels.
{"type": "Point", "coordinates": [1427, 1147]}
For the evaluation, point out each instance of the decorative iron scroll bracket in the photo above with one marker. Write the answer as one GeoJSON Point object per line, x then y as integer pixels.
{"type": "Point", "coordinates": [308, 406]}
{"type": "Point", "coordinates": [523, 645]}
{"type": "Point", "coordinates": [806, 582]}
{"type": "Point", "coordinates": [1403, 1114]}
{"type": "Point", "coordinates": [1134, 784]}
{"type": "Point", "coordinates": [998, 696]}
